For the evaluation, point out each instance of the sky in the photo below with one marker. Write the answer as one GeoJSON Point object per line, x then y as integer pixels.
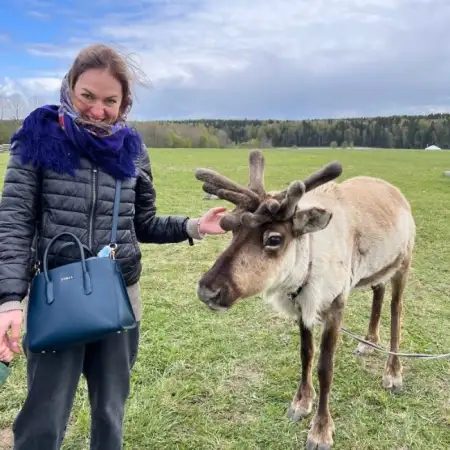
{"type": "Point", "coordinates": [238, 59]}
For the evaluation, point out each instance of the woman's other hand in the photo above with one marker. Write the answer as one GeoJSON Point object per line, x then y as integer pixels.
{"type": "Point", "coordinates": [9, 344]}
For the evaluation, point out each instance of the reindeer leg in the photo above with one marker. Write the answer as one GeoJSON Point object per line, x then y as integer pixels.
{"type": "Point", "coordinates": [392, 377]}
{"type": "Point", "coordinates": [373, 333]}
{"type": "Point", "coordinates": [320, 435]}
{"type": "Point", "coordinates": [302, 402]}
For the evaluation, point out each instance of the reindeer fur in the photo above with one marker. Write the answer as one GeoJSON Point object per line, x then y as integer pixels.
{"type": "Point", "coordinates": [327, 238]}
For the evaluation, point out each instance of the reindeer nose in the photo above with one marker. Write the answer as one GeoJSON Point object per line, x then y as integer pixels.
{"type": "Point", "coordinates": [206, 294]}
{"type": "Point", "coordinates": [211, 297]}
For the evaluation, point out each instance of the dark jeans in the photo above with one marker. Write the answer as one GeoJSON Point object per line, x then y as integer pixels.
{"type": "Point", "coordinates": [52, 382]}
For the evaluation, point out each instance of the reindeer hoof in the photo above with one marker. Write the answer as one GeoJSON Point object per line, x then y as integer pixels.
{"type": "Point", "coordinates": [363, 350]}
{"type": "Point", "coordinates": [313, 445]}
{"type": "Point", "coordinates": [298, 413]}
{"type": "Point", "coordinates": [393, 383]}
{"type": "Point", "coordinates": [299, 409]}
{"type": "Point", "coordinates": [320, 436]}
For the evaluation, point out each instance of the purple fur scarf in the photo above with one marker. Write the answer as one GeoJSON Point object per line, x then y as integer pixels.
{"type": "Point", "coordinates": [50, 138]}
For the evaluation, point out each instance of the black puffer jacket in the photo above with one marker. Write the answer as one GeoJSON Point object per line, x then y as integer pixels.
{"type": "Point", "coordinates": [38, 204]}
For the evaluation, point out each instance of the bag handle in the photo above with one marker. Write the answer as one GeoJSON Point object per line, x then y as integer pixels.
{"type": "Point", "coordinates": [113, 243]}
{"type": "Point", "coordinates": [67, 244]}
{"type": "Point", "coordinates": [86, 277]}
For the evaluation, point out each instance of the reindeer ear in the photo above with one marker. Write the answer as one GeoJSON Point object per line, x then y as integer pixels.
{"type": "Point", "coordinates": [310, 220]}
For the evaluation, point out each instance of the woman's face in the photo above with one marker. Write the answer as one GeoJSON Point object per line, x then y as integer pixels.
{"type": "Point", "coordinates": [97, 96]}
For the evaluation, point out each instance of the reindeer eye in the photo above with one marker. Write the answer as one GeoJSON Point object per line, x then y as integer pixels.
{"type": "Point", "coordinates": [274, 240]}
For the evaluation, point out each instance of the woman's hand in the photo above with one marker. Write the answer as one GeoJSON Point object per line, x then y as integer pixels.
{"type": "Point", "coordinates": [9, 344]}
{"type": "Point", "coordinates": [209, 222]}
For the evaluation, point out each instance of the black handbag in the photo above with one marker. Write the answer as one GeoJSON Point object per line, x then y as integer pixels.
{"type": "Point", "coordinates": [80, 302]}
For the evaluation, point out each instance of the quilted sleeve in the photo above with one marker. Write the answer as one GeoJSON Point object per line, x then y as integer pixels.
{"type": "Point", "coordinates": [18, 216]}
{"type": "Point", "coordinates": [151, 228]}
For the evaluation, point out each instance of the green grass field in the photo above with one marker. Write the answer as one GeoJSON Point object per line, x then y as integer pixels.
{"type": "Point", "coordinates": [209, 381]}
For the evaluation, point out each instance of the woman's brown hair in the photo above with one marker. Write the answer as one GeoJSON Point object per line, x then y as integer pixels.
{"type": "Point", "coordinates": [100, 56]}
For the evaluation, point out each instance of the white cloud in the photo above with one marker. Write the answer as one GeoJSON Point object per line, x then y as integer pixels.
{"type": "Point", "coordinates": [8, 87]}
{"type": "Point", "coordinates": [30, 86]}
{"type": "Point", "coordinates": [316, 37]}
{"type": "Point", "coordinates": [39, 15]}
{"type": "Point", "coordinates": [43, 85]}
{"type": "Point", "coordinates": [52, 51]}
{"type": "Point", "coordinates": [29, 93]}
{"type": "Point", "coordinates": [289, 58]}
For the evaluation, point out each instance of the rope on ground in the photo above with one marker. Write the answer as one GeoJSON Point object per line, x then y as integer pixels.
{"type": "Point", "coordinates": [403, 355]}
{"type": "Point", "coordinates": [382, 350]}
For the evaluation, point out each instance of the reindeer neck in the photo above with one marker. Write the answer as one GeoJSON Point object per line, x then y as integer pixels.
{"type": "Point", "coordinates": [294, 294]}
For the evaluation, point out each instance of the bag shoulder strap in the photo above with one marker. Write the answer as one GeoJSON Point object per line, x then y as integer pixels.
{"type": "Point", "coordinates": [116, 212]}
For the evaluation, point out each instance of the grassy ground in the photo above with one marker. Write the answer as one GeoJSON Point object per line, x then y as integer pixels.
{"type": "Point", "coordinates": [207, 381]}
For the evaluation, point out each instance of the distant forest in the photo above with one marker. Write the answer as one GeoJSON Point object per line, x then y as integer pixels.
{"type": "Point", "coordinates": [384, 132]}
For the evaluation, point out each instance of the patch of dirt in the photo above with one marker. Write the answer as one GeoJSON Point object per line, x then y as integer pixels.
{"type": "Point", "coordinates": [6, 439]}
{"type": "Point", "coordinates": [241, 379]}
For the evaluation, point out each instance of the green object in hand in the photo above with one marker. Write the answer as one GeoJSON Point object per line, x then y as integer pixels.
{"type": "Point", "coordinates": [4, 372]}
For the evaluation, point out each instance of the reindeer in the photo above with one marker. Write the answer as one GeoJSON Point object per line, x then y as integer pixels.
{"type": "Point", "coordinates": [305, 249]}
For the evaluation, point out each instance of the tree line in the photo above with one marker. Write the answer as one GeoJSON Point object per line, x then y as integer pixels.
{"type": "Point", "coordinates": [386, 132]}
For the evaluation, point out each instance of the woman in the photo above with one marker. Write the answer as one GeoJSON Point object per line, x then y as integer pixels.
{"type": "Point", "coordinates": [61, 177]}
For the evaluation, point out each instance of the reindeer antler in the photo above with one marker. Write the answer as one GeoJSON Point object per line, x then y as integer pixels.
{"type": "Point", "coordinates": [254, 206]}
{"type": "Point", "coordinates": [290, 196]}
{"type": "Point", "coordinates": [256, 172]}
{"type": "Point", "coordinates": [247, 198]}
{"type": "Point", "coordinates": [327, 173]}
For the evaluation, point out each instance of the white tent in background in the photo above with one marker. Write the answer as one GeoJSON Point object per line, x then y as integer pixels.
{"type": "Point", "coordinates": [432, 147]}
